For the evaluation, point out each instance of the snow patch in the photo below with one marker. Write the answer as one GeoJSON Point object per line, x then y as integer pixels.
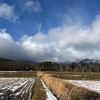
{"type": "Point", "coordinates": [49, 94]}
{"type": "Point", "coordinates": [91, 85]}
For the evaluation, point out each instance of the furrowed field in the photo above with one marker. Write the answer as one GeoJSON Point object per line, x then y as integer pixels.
{"type": "Point", "coordinates": [20, 86]}
{"type": "Point", "coordinates": [16, 88]}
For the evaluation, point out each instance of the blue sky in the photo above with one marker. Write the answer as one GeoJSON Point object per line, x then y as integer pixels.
{"type": "Point", "coordinates": [51, 26]}
{"type": "Point", "coordinates": [50, 15]}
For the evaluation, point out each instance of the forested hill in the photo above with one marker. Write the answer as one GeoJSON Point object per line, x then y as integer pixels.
{"type": "Point", "coordinates": [79, 66]}
{"type": "Point", "coordinates": [11, 65]}
{"type": "Point", "coordinates": [71, 67]}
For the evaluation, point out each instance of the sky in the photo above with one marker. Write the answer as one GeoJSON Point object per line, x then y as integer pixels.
{"type": "Point", "coordinates": [49, 30]}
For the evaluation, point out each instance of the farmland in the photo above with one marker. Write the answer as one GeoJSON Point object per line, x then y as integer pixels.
{"type": "Point", "coordinates": [76, 75]}
{"type": "Point", "coordinates": [88, 80]}
{"type": "Point", "coordinates": [27, 74]}
{"type": "Point", "coordinates": [16, 88]}
{"type": "Point", "coordinates": [33, 85]}
{"type": "Point", "coordinates": [73, 85]}
{"type": "Point", "coordinates": [91, 85]}
{"type": "Point", "coordinates": [21, 85]}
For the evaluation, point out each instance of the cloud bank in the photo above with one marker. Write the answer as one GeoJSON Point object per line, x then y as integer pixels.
{"type": "Point", "coordinates": [59, 44]}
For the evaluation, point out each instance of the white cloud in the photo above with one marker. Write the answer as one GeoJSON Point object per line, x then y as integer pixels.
{"type": "Point", "coordinates": [7, 12]}
{"type": "Point", "coordinates": [4, 35]}
{"type": "Point", "coordinates": [32, 6]}
{"type": "Point", "coordinates": [9, 48]}
{"type": "Point", "coordinates": [59, 44]}
{"type": "Point", "coordinates": [64, 43]}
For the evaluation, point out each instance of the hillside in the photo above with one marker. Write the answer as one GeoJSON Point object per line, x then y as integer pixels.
{"type": "Point", "coordinates": [11, 65]}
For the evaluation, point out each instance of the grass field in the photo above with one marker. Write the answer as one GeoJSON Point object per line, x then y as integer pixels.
{"type": "Point", "coordinates": [18, 74]}
{"type": "Point", "coordinates": [38, 90]}
{"type": "Point", "coordinates": [75, 75]}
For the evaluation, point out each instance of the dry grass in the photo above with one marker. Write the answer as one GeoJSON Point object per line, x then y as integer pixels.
{"type": "Point", "coordinates": [18, 74]}
{"type": "Point", "coordinates": [68, 91]}
{"type": "Point", "coordinates": [38, 91]}
{"type": "Point", "coordinates": [75, 75]}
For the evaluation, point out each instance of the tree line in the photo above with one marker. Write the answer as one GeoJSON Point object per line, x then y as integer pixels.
{"type": "Point", "coordinates": [10, 65]}
{"type": "Point", "coordinates": [72, 67]}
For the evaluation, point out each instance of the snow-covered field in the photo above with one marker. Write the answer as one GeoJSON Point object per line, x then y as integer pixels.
{"type": "Point", "coordinates": [91, 85]}
{"type": "Point", "coordinates": [16, 88]}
